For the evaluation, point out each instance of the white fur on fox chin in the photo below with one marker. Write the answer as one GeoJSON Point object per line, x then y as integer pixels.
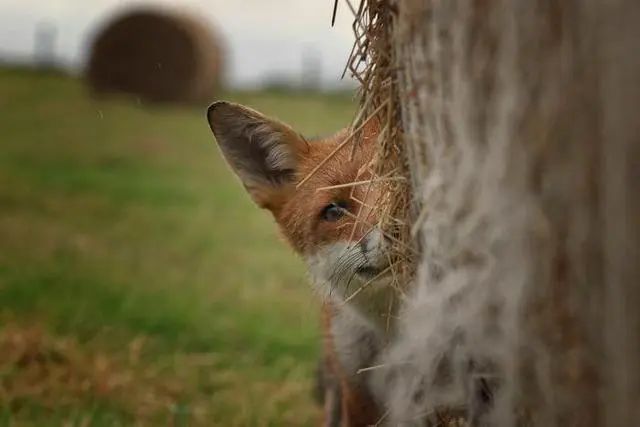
{"type": "Point", "coordinates": [336, 281]}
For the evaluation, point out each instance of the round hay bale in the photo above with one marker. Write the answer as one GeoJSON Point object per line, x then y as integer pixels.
{"type": "Point", "coordinates": [157, 56]}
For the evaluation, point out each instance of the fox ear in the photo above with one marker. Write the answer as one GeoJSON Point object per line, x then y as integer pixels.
{"type": "Point", "coordinates": [263, 152]}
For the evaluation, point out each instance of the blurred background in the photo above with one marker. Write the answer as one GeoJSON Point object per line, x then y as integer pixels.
{"type": "Point", "coordinates": [138, 283]}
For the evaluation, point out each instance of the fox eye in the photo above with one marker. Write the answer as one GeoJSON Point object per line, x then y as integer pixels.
{"type": "Point", "coordinates": [333, 211]}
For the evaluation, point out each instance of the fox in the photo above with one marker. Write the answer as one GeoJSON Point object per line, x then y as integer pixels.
{"type": "Point", "coordinates": [308, 187]}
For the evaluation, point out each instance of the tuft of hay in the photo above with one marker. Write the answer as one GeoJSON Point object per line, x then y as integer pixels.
{"type": "Point", "coordinates": [156, 56]}
{"type": "Point", "coordinates": [371, 62]}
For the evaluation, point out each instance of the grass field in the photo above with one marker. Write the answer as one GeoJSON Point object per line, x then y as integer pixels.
{"type": "Point", "coordinates": [138, 284]}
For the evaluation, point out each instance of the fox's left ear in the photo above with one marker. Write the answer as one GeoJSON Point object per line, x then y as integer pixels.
{"type": "Point", "coordinates": [263, 152]}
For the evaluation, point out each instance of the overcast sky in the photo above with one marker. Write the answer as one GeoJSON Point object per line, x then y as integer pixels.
{"type": "Point", "coordinates": [264, 38]}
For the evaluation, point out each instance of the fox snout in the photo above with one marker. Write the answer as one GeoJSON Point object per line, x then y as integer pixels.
{"type": "Point", "coordinates": [374, 247]}
{"type": "Point", "coordinates": [340, 268]}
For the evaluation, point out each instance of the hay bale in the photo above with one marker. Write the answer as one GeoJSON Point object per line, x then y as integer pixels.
{"type": "Point", "coordinates": [522, 143]}
{"type": "Point", "coordinates": [157, 56]}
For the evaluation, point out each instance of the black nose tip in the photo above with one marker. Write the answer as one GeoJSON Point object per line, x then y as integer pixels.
{"type": "Point", "coordinates": [363, 245]}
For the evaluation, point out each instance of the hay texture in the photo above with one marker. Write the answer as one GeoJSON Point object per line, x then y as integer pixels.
{"type": "Point", "coordinates": [371, 62]}
{"type": "Point", "coordinates": [518, 123]}
{"type": "Point", "coordinates": [157, 56]}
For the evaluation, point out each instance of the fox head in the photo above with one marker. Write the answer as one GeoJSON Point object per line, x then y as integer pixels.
{"type": "Point", "coordinates": [329, 221]}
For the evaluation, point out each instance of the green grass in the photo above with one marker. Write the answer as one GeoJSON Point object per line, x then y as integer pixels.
{"type": "Point", "coordinates": [119, 221]}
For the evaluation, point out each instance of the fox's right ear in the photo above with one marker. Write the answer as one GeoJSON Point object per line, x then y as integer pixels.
{"type": "Point", "coordinates": [263, 152]}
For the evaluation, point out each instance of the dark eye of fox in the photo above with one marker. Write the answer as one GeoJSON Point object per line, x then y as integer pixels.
{"type": "Point", "coordinates": [334, 211]}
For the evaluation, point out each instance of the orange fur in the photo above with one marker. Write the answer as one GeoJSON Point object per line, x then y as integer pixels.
{"type": "Point", "coordinates": [296, 212]}
{"type": "Point", "coordinates": [297, 209]}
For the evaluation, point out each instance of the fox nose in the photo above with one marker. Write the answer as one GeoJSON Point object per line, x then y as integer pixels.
{"type": "Point", "coordinates": [373, 246]}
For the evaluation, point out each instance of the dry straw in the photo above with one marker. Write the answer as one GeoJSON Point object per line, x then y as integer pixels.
{"type": "Point", "coordinates": [372, 64]}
